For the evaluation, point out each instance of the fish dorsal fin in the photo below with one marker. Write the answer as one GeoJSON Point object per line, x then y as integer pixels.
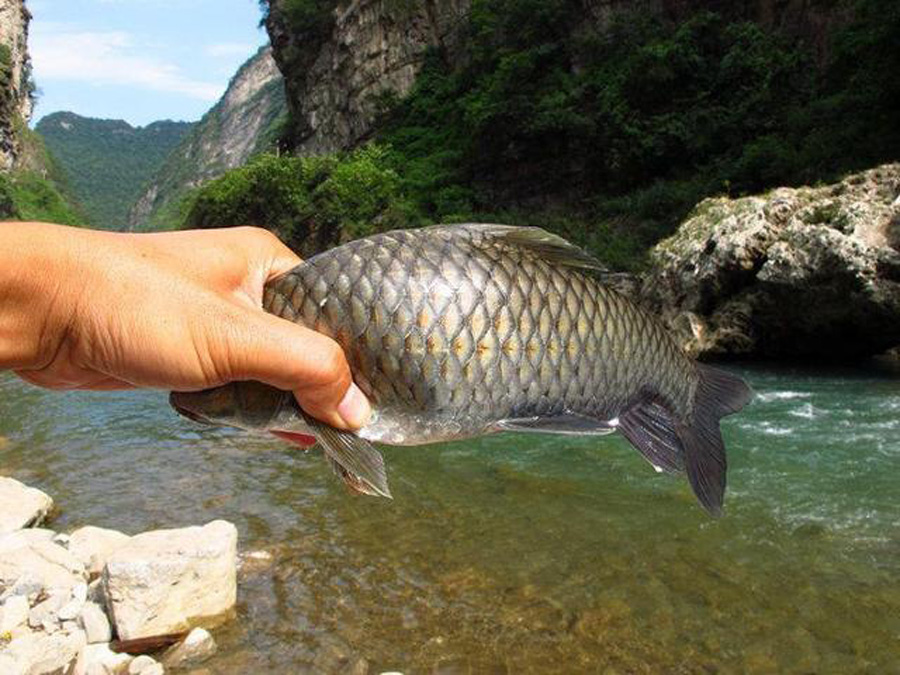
{"type": "Point", "coordinates": [546, 245]}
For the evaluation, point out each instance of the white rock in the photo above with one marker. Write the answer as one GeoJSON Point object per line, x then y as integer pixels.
{"type": "Point", "coordinates": [46, 611]}
{"type": "Point", "coordinates": [29, 558]}
{"type": "Point", "coordinates": [73, 607]}
{"type": "Point", "coordinates": [170, 580]}
{"type": "Point", "coordinates": [196, 648]}
{"type": "Point", "coordinates": [96, 625]}
{"type": "Point", "coordinates": [99, 659]}
{"type": "Point", "coordinates": [37, 653]}
{"type": "Point", "coordinates": [21, 506]}
{"type": "Point", "coordinates": [15, 613]}
{"type": "Point", "coordinates": [93, 546]}
{"type": "Point", "coordinates": [144, 665]}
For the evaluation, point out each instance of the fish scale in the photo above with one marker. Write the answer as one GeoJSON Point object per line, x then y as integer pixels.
{"type": "Point", "coordinates": [471, 333]}
{"type": "Point", "coordinates": [454, 331]}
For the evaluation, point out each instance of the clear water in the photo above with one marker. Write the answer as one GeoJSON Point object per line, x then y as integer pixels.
{"type": "Point", "coordinates": [520, 553]}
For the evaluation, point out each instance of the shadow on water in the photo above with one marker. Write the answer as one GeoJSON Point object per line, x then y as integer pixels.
{"type": "Point", "coordinates": [519, 553]}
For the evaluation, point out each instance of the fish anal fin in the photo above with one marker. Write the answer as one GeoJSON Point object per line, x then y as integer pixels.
{"type": "Point", "coordinates": [355, 460]}
{"type": "Point", "coordinates": [567, 424]}
{"type": "Point", "coordinates": [650, 427]}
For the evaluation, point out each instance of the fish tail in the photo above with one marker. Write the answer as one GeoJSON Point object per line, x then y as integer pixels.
{"type": "Point", "coordinates": [695, 445]}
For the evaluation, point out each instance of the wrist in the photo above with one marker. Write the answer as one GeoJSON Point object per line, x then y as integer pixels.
{"type": "Point", "coordinates": [38, 273]}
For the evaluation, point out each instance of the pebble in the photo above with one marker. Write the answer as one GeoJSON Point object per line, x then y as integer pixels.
{"type": "Point", "coordinates": [144, 665]}
{"type": "Point", "coordinates": [15, 613]}
{"type": "Point", "coordinates": [196, 648]}
{"type": "Point", "coordinates": [46, 611]}
{"type": "Point", "coordinates": [96, 625]}
{"type": "Point", "coordinates": [73, 608]}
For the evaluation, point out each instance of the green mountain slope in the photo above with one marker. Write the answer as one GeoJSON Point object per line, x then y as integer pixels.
{"type": "Point", "coordinates": [107, 163]}
{"type": "Point", "coordinates": [245, 122]}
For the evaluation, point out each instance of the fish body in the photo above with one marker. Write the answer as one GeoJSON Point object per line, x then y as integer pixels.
{"type": "Point", "coordinates": [455, 331]}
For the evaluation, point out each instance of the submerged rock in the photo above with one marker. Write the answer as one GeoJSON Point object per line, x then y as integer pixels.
{"type": "Point", "coordinates": [797, 272]}
{"type": "Point", "coordinates": [21, 506]}
{"type": "Point", "coordinates": [170, 580]}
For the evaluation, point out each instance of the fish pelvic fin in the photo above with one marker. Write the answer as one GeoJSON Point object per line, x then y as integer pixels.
{"type": "Point", "coordinates": [694, 446]}
{"type": "Point", "coordinates": [353, 459]}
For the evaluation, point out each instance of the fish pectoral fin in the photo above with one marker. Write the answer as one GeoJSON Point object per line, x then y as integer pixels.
{"type": "Point", "coordinates": [354, 459]}
{"type": "Point", "coordinates": [568, 424]}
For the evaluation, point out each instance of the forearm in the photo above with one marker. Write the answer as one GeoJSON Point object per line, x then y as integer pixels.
{"type": "Point", "coordinates": [37, 271]}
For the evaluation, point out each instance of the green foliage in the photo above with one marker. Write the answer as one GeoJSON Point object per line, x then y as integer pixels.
{"type": "Point", "coordinates": [26, 195]}
{"type": "Point", "coordinates": [6, 83]}
{"type": "Point", "coordinates": [108, 162]}
{"type": "Point", "coordinates": [308, 202]}
{"type": "Point", "coordinates": [628, 127]}
{"type": "Point", "coordinates": [305, 17]}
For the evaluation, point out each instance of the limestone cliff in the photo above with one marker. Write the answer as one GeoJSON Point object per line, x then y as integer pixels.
{"type": "Point", "coordinates": [339, 70]}
{"type": "Point", "coordinates": [15, 79]}
{"type": "Point", "coordinates": [805, 272]}
{"type": "Point", "coordinates": [242, 123]}
{"type": "Point", "coordinates": [336, 78]}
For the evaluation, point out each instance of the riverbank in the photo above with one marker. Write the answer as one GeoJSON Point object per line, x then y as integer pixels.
{"type": "Point", "coordinates": [96, 601]}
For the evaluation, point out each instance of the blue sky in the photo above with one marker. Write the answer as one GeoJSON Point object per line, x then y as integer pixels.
{"type": "Point", "coordinates": [139, 60]}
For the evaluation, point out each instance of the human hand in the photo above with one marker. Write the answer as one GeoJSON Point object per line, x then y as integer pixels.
{"type": "Point", "coordinates": [83, 309]}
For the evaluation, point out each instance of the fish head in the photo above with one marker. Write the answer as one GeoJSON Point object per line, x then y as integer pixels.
{"type": "Point", "coordinates": [246, 405]}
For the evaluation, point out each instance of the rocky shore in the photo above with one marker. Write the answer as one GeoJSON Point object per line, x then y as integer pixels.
{"type": "Point", "coordinates": [99, 602]}
{"type": "Point", "coordinates": [796, 273]}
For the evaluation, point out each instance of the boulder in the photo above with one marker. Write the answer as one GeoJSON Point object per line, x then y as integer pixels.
{"type": "Point", "coordinates": [94, 545]}
{"type": "Point", "coordinates": [796, 272]}
{"type": "Point", "coordinates": [196, 648]}
{"type": "Point", "coordinates": [30, 562]}
{"type": "Point", "coordinates": [21, 506]}
{"type": "Point", "coordinates": [39, 653]}
{"type": "Point", "coordinates": [171, 580]}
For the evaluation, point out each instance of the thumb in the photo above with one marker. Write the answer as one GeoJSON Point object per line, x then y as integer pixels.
{"type": "Point", "coordinates": [294, 358]}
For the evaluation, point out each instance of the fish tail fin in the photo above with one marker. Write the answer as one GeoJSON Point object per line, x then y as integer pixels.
{"type": "Point", "coordinates": [695, 445]}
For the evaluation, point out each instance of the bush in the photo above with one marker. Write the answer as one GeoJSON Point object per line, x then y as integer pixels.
{"type": "Point", "coordinates": [308, 202]}
{"type": "Point", "coordinates": [631, 125]}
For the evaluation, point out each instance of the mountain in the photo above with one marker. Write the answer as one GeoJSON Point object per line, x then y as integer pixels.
{"type": "Point", "coordinates": [245, 122]}
{"type": "Point", "coordinates": [605, 120]}
{"type": "Point", "coordinates": [32, 186]}
{"type": "Point", "coordinates": [108, 162]}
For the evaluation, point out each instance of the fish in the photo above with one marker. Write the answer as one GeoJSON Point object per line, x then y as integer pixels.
{"type": "Point", "coordinates": [456, 331]}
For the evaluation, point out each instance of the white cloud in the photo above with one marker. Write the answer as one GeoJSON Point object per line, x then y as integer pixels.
{"type": "Point", "coordinates": [230, 49]}
{"type": "Point", "coordinates": [109, 57]}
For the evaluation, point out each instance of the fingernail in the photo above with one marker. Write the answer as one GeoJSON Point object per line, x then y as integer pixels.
{"type": "Point", "coordinates": [354, 408]}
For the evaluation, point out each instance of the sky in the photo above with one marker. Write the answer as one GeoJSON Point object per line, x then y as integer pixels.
{"type": "Point", "coordinates": [139, 60]}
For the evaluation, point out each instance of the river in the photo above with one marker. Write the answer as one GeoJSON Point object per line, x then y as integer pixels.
{"type": "Point", "coordinates": [518, 553]}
